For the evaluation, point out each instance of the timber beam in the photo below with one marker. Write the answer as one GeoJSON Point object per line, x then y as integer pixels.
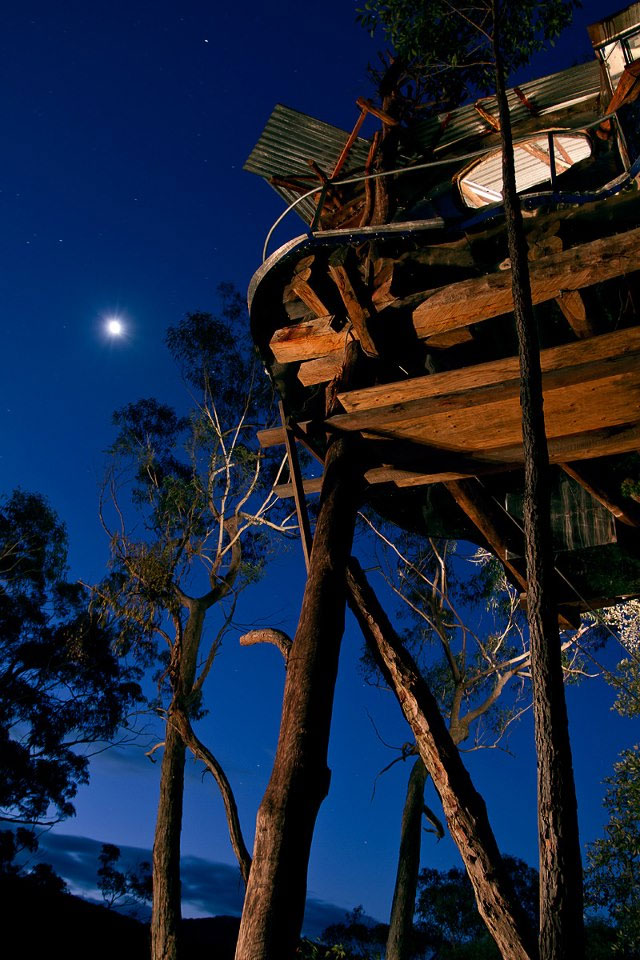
{"type": "Point", "coordinates": [505, 374]}
{"type": "Point", "coordinates": [486, 518]}
{"type": "Point", "coordinates": [575, 313]}
{"type": "Point", "coordinates": [347, 282]}
{"type": "Point", "coordinates": [489, 520]}
{"type": "Point", "coordinates": [458, 305]}
{"type": "Point", "coordinates": [387, 467]}
{"type": "Point", "coordinates": [304, 526]}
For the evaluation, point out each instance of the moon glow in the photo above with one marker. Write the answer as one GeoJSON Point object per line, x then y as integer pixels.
{"type": "Point", "coordinates": [115, 327]}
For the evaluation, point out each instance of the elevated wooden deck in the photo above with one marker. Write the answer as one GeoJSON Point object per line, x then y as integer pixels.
{"type": "Point", "coordinates": [437, 409]}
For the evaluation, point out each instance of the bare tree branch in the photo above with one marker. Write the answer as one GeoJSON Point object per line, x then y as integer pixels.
{"type": "Point", "coordinates": [269, 635]}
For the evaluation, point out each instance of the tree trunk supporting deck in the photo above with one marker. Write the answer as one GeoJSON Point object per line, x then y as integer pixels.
{"type": "Point", "coordinates": [276, 892]}
{"type": "Point", "coordinates": [561, 899]}
{"type": "Point", "coordinates": [464, 808]}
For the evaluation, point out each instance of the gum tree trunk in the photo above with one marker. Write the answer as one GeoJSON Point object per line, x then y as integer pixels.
{"type": "Point", "coordinates": [276, 892]}
{"type": "Point", "coordinates": [399, 940]}
{"type": "Point", "coordinates": [166, 913]}
{"type": "Point", "coordinates": [464, 808]}
{"type": "Point", "coordinates": [561, 899]}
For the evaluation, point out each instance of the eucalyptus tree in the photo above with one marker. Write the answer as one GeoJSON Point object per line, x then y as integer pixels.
{"type": "Point", "coordinates": [613, 861]}
{"type": "Point", "coordinates": [447, 910]}
{"type": "Point", "coordinates": [462, 49]}
{"type": "Point", "coordinates": [190, 538]}
{"type": "Point", "coordinates": [468, 636]}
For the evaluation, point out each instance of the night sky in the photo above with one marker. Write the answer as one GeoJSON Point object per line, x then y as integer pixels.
{"type": "Point", "coordinates": [122, 193]}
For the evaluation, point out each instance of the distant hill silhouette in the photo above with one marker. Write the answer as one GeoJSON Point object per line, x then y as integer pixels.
{"type": "Point", "coordinates": [45, 923]}
{"type": "Point", "coordinates": [199, 936]}
{"type": "Point", "coordinates": [42, 922]}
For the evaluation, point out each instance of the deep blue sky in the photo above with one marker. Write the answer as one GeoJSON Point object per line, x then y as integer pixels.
{"type": "Point", "coordinates": [126, 126]}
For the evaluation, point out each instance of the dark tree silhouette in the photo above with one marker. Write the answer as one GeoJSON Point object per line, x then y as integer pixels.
{"type": "Point", "coordinates": [62, 685]}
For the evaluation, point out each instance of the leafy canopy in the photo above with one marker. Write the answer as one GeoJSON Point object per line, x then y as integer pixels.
{"type": "Point", "coordinates": [193, 532]}
{"type": "Point", "coordinates": [446, 905]}
{"type": "Point", "coordinates": [448, 47]}
{"type": "Point", "coordinates": [125, 887]}
{"type": "Point", "coordinates": [613, 865]}
{"type": "Point", "coordinates": [61, 684]}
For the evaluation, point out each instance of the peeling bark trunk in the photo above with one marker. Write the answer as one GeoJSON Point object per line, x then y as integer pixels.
{"type": "Point", "coordinates": [166, 912]}
{"type": "Point", "coordinates": [399, 940]}
{"type": "Point", "coordinates": [561, 901]}
{"type": "Point", "coordinates": [274, 904]}
{"type": "Point", "coordinates": [464, 808]}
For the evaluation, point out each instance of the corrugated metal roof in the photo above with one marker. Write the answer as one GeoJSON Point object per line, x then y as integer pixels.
{"type": "Point", "coordinates": [547, 94]}
{"type": "Point", "coordinates": [484, 177]}
{"type": "Point", "coordinates": [289, 140]}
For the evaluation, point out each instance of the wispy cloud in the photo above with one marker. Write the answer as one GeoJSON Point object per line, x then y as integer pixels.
{"type": "Point", "coordinates": [208, 888]}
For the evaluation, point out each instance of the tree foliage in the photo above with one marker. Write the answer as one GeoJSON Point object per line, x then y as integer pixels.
{"type": "Point", "coordinates": [188, 504]}
{"type": "Point", "coordinates": [468, 633]}
{"type": "Point", "coordinates": [624, 620]}
{"type": "Point", "coordinates": [613, 868]}
{"type": "Point", "coordinates": [356, 935]}
{"type": "Point", "coordinates": [613, 861]}
{"type": "Point", "coordinates": [445, 49]}
{"type": "Point", "coordinates": [62, 685]}
{"type": "Point", "coordinates": [198, 487]}
{"type": "Point", "coordinates": [447, 909]}
{"type": "Point", "coordinates": [124, 887]}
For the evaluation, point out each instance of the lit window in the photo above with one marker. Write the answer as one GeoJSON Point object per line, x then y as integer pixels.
{"type": "Point", "coordinates": [614, 59]}
{"type": "Point", "coordinates": [481, 182]}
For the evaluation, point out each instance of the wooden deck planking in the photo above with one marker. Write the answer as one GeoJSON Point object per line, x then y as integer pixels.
{"type": "Point", "coordinates": [569, 409]}
{"type": "Point", "coordinates": [461, 381]}
{"type": "Point", "coordinates": [436, 469]}
{"type": "Point", "coordinates": [460, 304]}
{"type": "Point", "coordinates": [580, 446]}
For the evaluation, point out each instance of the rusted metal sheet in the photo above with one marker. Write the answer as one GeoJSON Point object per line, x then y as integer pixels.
{"type": "Point", "coordinates": [546, 95]}
{"type": "Point", "coordinates": [289, 140]}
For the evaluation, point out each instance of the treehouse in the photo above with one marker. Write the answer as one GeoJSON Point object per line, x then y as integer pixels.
{"type": "Point", "coordinates": [409, 258]}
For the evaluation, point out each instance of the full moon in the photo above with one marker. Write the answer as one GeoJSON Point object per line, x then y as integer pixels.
{"type": "Point", "coordinates": [114, 327]}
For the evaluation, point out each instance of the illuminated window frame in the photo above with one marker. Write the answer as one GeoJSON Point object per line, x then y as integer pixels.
{"type": "Point", "coordinates": [541, 158]}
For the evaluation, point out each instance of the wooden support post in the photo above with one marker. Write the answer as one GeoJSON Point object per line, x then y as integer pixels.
{"type": "Point", "coordinates": [464, 808]}
{"type": "Point", "coordinates": [471, 501]}
{"type": "Point", "coordinates": [276, 892]}
{"type": "Point", "coordinates": [345, 280]}
{"type": "Point", "coordinates": [575, 313]}
{"type": "Point", "coordinates": [298, 488]}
